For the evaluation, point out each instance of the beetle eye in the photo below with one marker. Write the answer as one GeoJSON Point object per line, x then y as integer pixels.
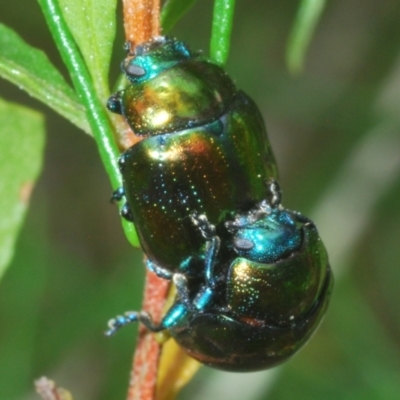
{"type": "Point", "coordinates": [243, 244]}
{"type": "Point", "coordinates": [134, 70]}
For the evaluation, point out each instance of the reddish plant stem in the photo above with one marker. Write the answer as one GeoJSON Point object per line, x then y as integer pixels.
{"type": "Point", "coordinates": [141, 20]}
{"type": "Point", "coordinates": [145, 362]}
{"type": "Point", "coordinates": [142, 23]}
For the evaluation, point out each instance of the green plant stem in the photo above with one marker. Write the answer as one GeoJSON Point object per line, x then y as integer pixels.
{"type": "Point", "coordinates": [221, 30]}
{"type": "Point", "coordinates": [306, 21]}
{"type": "Point", "coordinates": [96, 114]}
{"type": "Point", "coordinates": [98, 120]}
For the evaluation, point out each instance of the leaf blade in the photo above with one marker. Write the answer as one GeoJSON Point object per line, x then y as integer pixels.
{"type": "Point", "coordinates": [96, 112]}
{"type": "Point", "coordinates": [22, 134]}
{"type": "Point", "coordinates": [31, 70]}
{"type": "Point", "coordinates": [93, 26]}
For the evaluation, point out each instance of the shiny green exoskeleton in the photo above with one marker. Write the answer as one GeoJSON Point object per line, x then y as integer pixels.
{"type": "Point", "coordinates": [205, 149]}
{"type": "Point", "coordinates": [252, 278]}
{"type": "Point", "coordinates": [262, 294]}
{"type": "Point", "coordinates": [272, 298]}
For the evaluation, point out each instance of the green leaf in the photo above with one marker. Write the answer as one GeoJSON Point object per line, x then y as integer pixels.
{"type": "Point", "coordinates": [307, 18]}
{"type": "Point", "coordinates": [21, 296]}
{"type": "Point", "coordinates": [96, 112]}
{"type": "Point", "coordinates": [173, 11]}
{"type": "Point", "coordinates": [92, 24]}
{"type": "Point", "coordinates": [31, 70]}
{"type": "Point", "coordinates": [21, 142]}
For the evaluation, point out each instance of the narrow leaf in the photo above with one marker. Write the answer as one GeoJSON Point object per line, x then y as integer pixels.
{"type": "Point", "coordinates": [307, 18]}
{"type": "Point", "coordinates": [31, 70]}
{"type": "Point", "coordinates": [21, 143]}
{"type": "Point", "coordinates": [96, 112]}
{"type": "Point", "coordinates": [92, 24]}
{"type": "Point", "coordinates": [173, 11]}
{"type": "Point", "coordinates": [221, 30]}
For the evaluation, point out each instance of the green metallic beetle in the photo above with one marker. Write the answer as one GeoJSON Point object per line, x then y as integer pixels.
{"type": "Point", "coordinates": [261, 296]}
{"type": "Point", "coordinates": [205, 149]}
{"type": "Point", "coordinates": [252, 278]}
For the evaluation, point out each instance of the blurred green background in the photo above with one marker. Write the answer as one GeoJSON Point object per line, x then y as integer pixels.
{"type": "Point", "coordinates": [335, 130]}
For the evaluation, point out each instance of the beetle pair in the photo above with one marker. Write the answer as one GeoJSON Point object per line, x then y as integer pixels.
{"type": "Point", "coordinates": [252, 277]}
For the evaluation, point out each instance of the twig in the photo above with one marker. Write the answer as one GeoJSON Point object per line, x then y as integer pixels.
{"type": "Point", "coordinates": [145, 362]}
{"type": "Point", "coordinates": [141, 23]}
{"type": "Point", "coordinates": [141, 20]}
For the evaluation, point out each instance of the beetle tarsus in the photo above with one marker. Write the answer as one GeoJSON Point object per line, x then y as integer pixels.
{"type": "Point", "coordinates": [114, 103]}
{"type": "Point", "coordinates": [115, 324]}
{"type": "Point", "coordinates": [120, 321]}
{"type": "Point", "coordinates": [118, 195]}
{"type": "Point", "coordinates": [126, 212]}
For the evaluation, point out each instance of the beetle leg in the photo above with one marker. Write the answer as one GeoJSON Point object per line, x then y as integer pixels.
{"type": "Point", "coordinates": [182, 288]}
{"type": "Point", "coordinates": [203, 224]}
{"type": "Point", "coordinates": [114, 103]}
{"type": "Point", "coordinates": [212, 248]}
{"type": "Point", "coordinates": [184, 305]}
{"type": "Point", "coordinates": [206, 293]}
{"type": "Point", "coordinates": [126, 212]}
{"type": "Point", "coordinates": [275, 192]}
{"type": "Point", "coordinates": [204, 298]}
{"type": "Point", "coordinates": [118, 194]}
{"type": "Point", "coordinates": [118, 322]}
{"type": "Point", "coordinates": [173, 315]}
{"type": "Point", "coordinates": [177, 311]}
{"type": "Point", "coordinates": [130, 317]}
{"type": "Point", "coordinates": [158, 270]}
{"type": "Point", "coordinates": [301, 218]}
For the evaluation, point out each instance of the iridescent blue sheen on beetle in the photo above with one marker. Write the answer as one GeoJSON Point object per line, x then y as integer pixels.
{"type": "Point", "coordinates": [252, 278]}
